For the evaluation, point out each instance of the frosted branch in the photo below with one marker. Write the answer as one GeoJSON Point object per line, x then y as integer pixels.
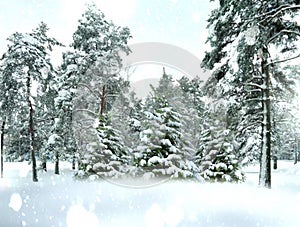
{"type": "Point", "coordinates": [255, 85]}
{"type": "Point", "coordinates": [283, 31]}
{"type": "Point", "coordinates": [283, 60]}
{"type": "Point", "coordinates": [271, 14]}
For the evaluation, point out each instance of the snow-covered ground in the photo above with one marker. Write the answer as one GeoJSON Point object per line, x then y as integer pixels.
{"type": "Point", "coordinates": [62, 201]}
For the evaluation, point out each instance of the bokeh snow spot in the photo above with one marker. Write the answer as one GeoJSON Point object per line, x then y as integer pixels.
{"type": "Point", "coordinates": [157, 217]}
{"type": "Point", "coordinates": [154, 216]}
{"type": "Point", "coordinates": [15, 202]}
{"type": "Point", "coordinates": [174, 215]}
{"type": "Point", "coordinates": [78, 216]}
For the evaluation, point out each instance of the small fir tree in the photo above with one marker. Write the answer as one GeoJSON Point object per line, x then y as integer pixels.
{"type": "Point", "coordinates": [216, 156]}
{"type": "Point", "coordinates": [106, 157]}
{"type": "Point", "coordinates": [160, 153]}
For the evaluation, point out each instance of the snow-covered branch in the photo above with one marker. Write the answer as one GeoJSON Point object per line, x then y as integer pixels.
{"type": "Point", "coordinates": [281, 32]}
{"type": "Point", "coordinates": [246, 127]}
{"type": "Point", "coordinates": [253, 90]}
{"type": "Point", "coordinates": [274, 13]}
{"type": "Point", "coordinates": [283, 60]}
{"type": "Point", "coordinates": [255, 85]}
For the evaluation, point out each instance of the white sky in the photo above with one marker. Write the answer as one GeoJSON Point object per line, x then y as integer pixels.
{"type": "Point", "coordinates": [177, 22]}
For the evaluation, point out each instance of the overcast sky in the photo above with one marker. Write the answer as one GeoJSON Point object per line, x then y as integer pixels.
{"type": "Point", "coordinates": [177, 22]}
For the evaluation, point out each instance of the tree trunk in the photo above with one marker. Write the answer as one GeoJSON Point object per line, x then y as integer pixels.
{"type": "Point", "coordinates": [44, 165]}
{"type": "Point", "coordinates": [31, 131]}
{"type": "Point", "coordinates": [265, 156]}
{"type": "Point", "coordinates": [73, 160]}
{"type": "Point", "coordinates": [275, 162]}
{"type": "Point", "coordinates": [102, 100]}
{"type": "Point", "coordinates": [56, 170]}
{"type": "Point", "coordinates": [1, 145]}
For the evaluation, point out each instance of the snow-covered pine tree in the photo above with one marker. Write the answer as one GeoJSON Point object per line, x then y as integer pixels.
{"type": "Point", "coordinates": [11, 100]}
{"type": "Point", "coordinates": [242, 34]}
{"type": "Point", "coordinates": [97, 44]}
{"type": "Point", "coordinates": [188, 104]}
{"type": "Point", "coordinates": [193, 111]}
{"type": "Point", "coordinates": [27, 60]}
{"type": "Point", "coordinates": [61, 140]}
{"type": "Point", "coordinates": [126, 117]}
{"type": "Point", "coordinates": [285, 119]}
{"type": "Point", "coordinates": [216, 156]}
{"type": "Point", "coordinates": [160, 153]}
{"type": "Point", "coordinates": [193, 91]}
{"type": "Point", "coordinates": [106, 157]}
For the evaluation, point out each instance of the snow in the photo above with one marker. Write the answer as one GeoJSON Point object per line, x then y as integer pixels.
{"type": "Point", "coordinates": [77, 215]}
{"type": "Point", "coordinates": [60, 200]}
{"type": "Point", "coordinates": [52, 139]}
{"type": "Point", "coordinates": [251, 34]}
{"type": "Point", "coordinates": [154, 160]}
{"type": "Point", "coordinates": [15, 202]}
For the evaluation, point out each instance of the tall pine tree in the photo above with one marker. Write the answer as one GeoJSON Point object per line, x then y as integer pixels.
{"type": "Point", "coordinates": [243, 33]}
{"type": "Point", "coordinates": [27, 62]}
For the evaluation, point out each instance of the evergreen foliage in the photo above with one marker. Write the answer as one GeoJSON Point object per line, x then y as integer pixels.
{"type": "Point", "coordinates": [160, 153]}
{"type": "Point", "coordinates": [242, 34]}
{"type": "Point", "coordinates": [106, 157]}
{"type": "Point", "coordinates": [216, 156]}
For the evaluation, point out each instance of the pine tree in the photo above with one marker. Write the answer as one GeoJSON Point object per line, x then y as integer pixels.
{"type": "Point", "coordinates": [27, 61]}
{"type": "Point", "coordinates": [126, 117]}
{"type": "Point", "coordinates": [194, 112]}
{"type": "Point", "coordinates": [97, 44]}
{"type": "Point", "coordinates": [64, 146]}
{"type": "Point", "coordinates": [160, 153]}
{"type": "Point", "coordinates": [242, 35]}
{"type": "Point", "coordinates": [216, 156]}
{"type": "Point", "coordinates": [96, 38]}
{"type": "Point", "coordinates": [107, 157]}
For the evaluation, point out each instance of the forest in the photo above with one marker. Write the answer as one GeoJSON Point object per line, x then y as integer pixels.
{"type": "Point", "coordinates": [85, 112]}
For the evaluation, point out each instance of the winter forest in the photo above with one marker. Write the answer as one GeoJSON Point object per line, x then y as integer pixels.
{"type": "Point", "coordinates": [84, 114]}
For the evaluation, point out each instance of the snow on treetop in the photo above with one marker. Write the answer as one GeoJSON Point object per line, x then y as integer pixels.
{"type": "Point", "coordinates": [52, 139]}
{"type": "Point", "coordinates": [27, 38]}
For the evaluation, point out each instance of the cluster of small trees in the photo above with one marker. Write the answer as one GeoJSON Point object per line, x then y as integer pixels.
{"type": "Point", "coordinates": [83, 111]}
{"type": "Point", "coordinates": [160, 137]}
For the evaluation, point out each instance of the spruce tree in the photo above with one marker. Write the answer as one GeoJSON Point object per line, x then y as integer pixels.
{"type": "Point", "coordinates": [160, 153]}
{"type": "Point", "coordinates": [216, 156]}
{"type": "Point", "coordinates": [106, 157]}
